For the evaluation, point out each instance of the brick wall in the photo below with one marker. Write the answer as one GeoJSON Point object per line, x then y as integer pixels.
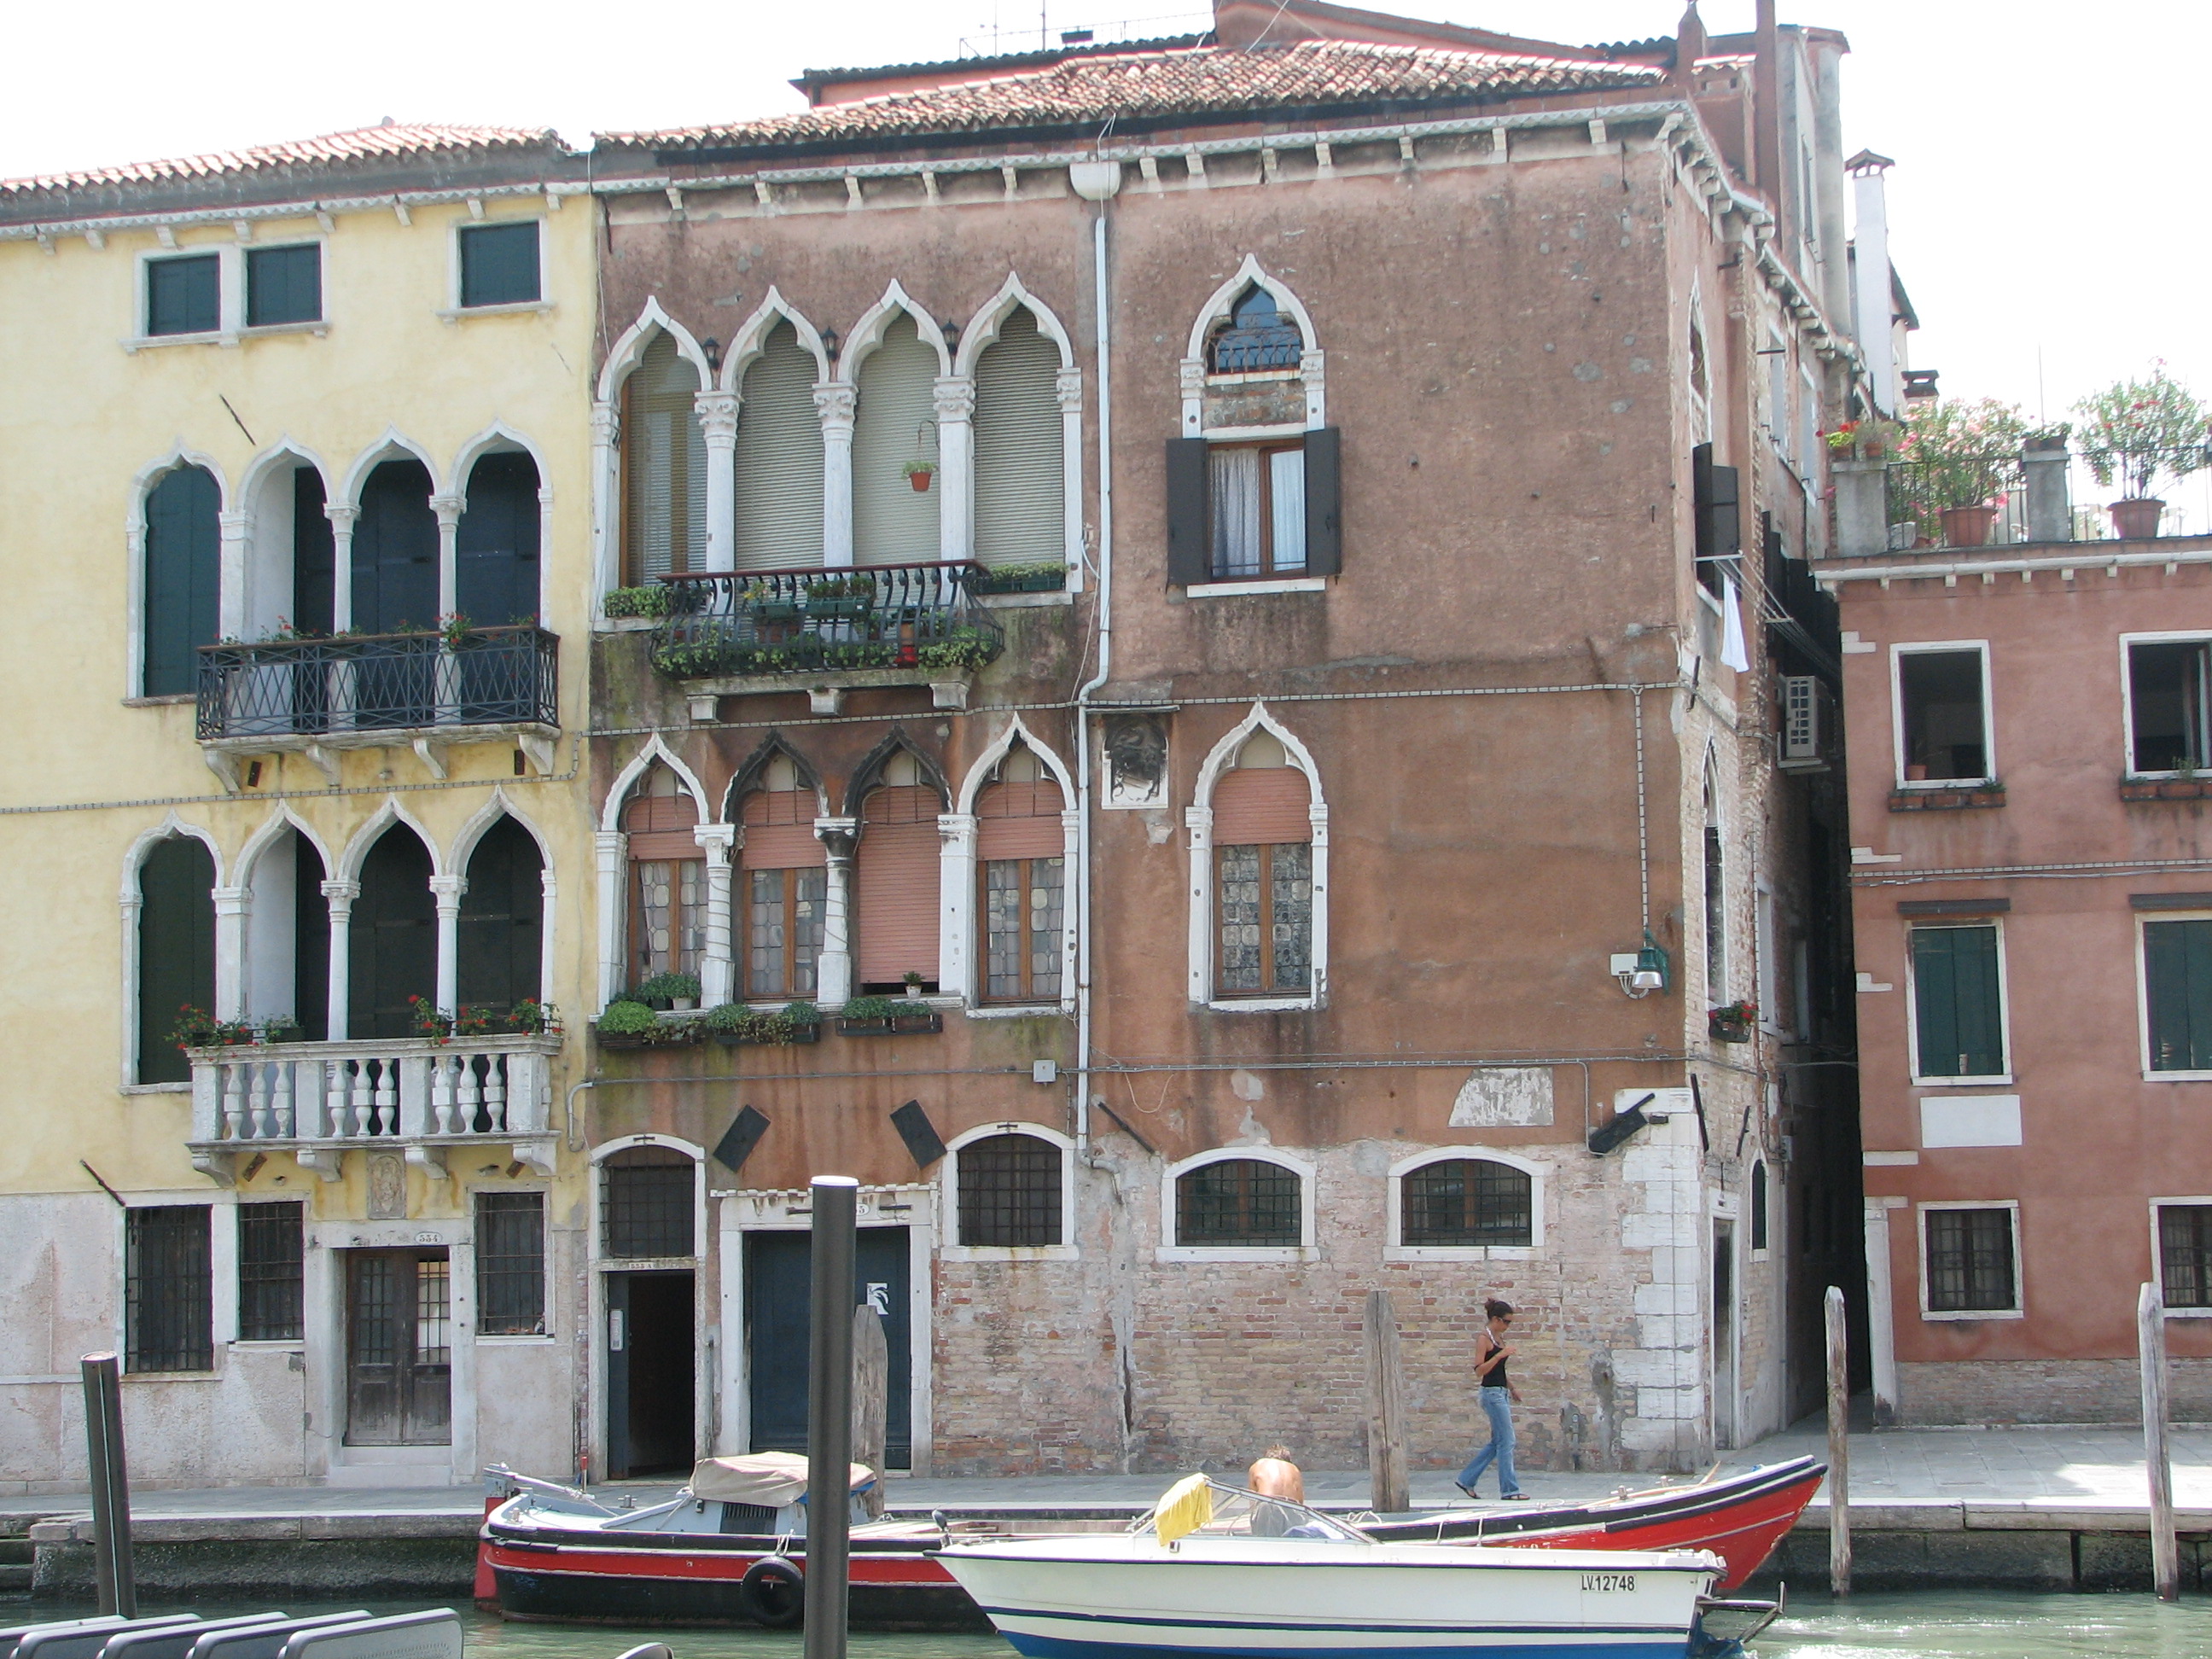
{"type": "Point", "coordinates": [2045, 1391]}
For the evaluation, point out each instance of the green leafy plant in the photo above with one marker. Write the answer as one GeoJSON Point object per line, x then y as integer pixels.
{"type": "Point", "coordinates": [913, 979]}
{"type": "Point", "coordinates": [533, 1018]}
{"type": "Point", "coordinates": [1043, 575]}
{"type": "Point", "coordinates": [665, 988]}
{"type": "Point", "coordinates": [2141, 431]}
{"type": "Point", "coordinates": [694, 659]}
{"type": "Point", "coordinates": [802, 1013]}
{"type": "Point", "coordinates": [748, 1025]}
{"type": "Point", "coordinates": [649, 601]}
{"type": "Point", "coordinates": [963, 647]}
{"type": "Point", "coordinates": [1734, 1013]}
{"type": "Point", "coordinates": [841, 587]}
{"type": "Point", "coordinates": [455, 629]}
{"type": "Point", "coordinates": [195, 1028]}
{"type": "Point", "coordinates": [627, 1019]}
{"type": "Point", "coordinates": [1956, 453]}
{"type": "Point", "coordinates": [869, 1010]}
{"type": "Point", "coordinates": [859, 653]}
{"type": "Point", "coordinates": [283, 1028]}
{"type": "Point", "coordinates": [918, 469]}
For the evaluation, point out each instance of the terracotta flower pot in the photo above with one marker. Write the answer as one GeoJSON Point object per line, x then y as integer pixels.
{"type": "Point", "coordinates": [1967, 526]}
{"type": "Point", "coordinates": [2136, 520]}
{"type": "Point", "coordinates": [920, 481]}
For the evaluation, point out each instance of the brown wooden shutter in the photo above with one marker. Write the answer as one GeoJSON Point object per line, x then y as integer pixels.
{"type": "Point", "coordinates": [780, 831]}
{"type": "Point", "coordinates": [1019, 821]}
{"type": "Point", "coordinates": [1261, 806]}
{"type": "Point", "coordinates": [1324, 530]}
{"type": "Point", "coordinates": [660, 826]}
{"type": "Point", "coordinates": [1189, 544]}
{"type": "Point", "coordinates": [895, 885]}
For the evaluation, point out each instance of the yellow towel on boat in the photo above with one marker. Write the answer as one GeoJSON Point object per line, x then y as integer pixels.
{"type": "Point", "coordinates": [1183, 1508]}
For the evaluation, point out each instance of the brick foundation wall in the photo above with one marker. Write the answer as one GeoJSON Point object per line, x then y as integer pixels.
{"type": "Point", "coordinates": [2104, 1391]}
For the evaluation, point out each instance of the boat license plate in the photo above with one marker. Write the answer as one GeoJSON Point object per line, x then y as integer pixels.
{"type": "Point", "coordinates": [1609, 1580]}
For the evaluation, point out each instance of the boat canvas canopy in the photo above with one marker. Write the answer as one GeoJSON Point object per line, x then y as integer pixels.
{"type": "Point", "coordinates": [768, 1479]}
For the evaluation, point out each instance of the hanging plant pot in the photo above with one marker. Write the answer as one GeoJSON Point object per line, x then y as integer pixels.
{"type": "Point", "coordinates": [1967, 526]}
{"type": "Point", "coordinates": [919, 479]}
{"type": "Point", "coordinates": [2137, 520]}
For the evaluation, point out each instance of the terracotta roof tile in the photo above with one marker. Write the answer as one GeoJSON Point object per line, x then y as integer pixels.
{"type": "Point", "coordinates": [331, 149]}
{"type": "Point", "coordinates": [1202, 81]}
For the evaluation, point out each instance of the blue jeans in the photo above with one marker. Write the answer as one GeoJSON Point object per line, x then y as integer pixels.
{"type": "Point", "coordinates": [1497, 1406]}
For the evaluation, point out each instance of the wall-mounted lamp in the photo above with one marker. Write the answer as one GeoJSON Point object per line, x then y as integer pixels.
{"type": "Point", "coordinates": [951, 335]}
{"type": "Point", "coordinates": [713, 350]}
{"type": "Point", "coordinates": [1643, 972]}
{"type": "Point", "coordinates": [830, 343]}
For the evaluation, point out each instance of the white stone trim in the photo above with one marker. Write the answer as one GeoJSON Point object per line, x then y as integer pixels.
{"type": "Point", "coordinates": [752, 340]}
{"type": "Point", "coordinates": [1170, 1250]}
{"type": "Point", "coordinates": [1198, 820]}
{"type": "Point", "coordinates": [132, 901]}
{"type": "Point", "coordinates": [453, 310]}
{"type": "Point", "coordinates": [1932, 924]}
{"type": "Point", "coordinates": [876, 322]}
{"type": "Point", "coordinates": [949, 1181]}
{"type": "Point", "coordinates": [134, 541]}
{"type": "Point", "coordinates": [264, 561]}
{"type": "Point", "coordinates": [2011, 1206]}
{"type": "Point", "coordinates": [1394, 1248]}
{"type": "Point", "coordinates": [599, 1264]}
{"type": "Point", "coordinates": [655, 748]}
{"type": "Point", "coordinates": [959, 958]}
{"type": "Point", "coordinates": [2158, 1256]}
{"type": "Point", "coordinates": [629, 349]}
{"type": "Point", "coordinates": [1924, 648]}
{"type": "Point", "coordinates": [1311, 365]}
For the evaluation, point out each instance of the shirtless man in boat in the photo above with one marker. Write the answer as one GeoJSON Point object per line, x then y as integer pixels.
{"type": "Point", "coordinates": [1273, 1475]}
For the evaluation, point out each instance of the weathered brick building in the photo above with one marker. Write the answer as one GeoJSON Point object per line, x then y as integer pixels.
{"type": "Point", "coordinates": [1242, 582]}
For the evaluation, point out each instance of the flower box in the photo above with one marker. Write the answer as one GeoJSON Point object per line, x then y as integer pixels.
{"type": "Point", "coordinates": [669, 1034]}
{"type": "Point", "coordinates": [2166, 788]}
{"type": "Point", "coordinates": [1022, 581]}
{"type": "Point", "coordinates": [1947, 800]}
{"type": "Point", "coordinates": [799, 1034]}
{"type": "Point", "coordinates": [899, 1024]}
{"type": "Point", "coordinates": [1722, 1029]}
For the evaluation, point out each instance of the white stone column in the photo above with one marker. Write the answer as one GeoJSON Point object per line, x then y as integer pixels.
{"type": "Point", "coordinates": [231, 613]}
{"type": "Point", "coordinates": [835, 401]}
{"type": "Point", "coordinates": [231, 906]}
{"type": "Point", "coordinates": [548, 959]}
{"type": "Point", "coordinates": [834, 967]}
{"type": "Point", "coordinates": [341, 896]}
{"type": "Point", "coordinates": [447, 890]}
{"type": "Point", "coordinates": [717, 965]}
{"type": "Point", "coordinates": [956, 467]}
{"type": "Point", "coordinates": [606, 507]}
{"type": "Point", "coordinates": [959, 972]}
{"type": "Point", "coordinates": [613, 848]}
{"type": "Point", "coordinates": [718, 419]}
{"type": "Point", "coordinates": [343, 520]}
{"type": "Point", "coordinates": [448, 509]}
{"type": "Point", "coordinates": [1199, 820]}
{"type": "Point", "coordinates": [1069, 387]}
{"type": "Point", "coordinates": [1881, 1320]}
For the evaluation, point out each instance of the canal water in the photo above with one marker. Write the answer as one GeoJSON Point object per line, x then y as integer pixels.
{"type": "Point", "coordinates": [1975, 1625]}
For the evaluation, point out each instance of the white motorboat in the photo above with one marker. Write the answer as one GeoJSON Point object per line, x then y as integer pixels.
{"type": "Point", "coordinates": [1215, 1570]}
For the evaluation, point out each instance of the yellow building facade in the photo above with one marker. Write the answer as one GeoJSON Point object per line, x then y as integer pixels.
{"type": "Point", "coordinates": [294, 477]}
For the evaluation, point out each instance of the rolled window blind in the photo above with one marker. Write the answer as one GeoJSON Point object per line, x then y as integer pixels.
{"type": "Point", "coordinates": [1019, 821]}
{"type": "Point", "coordinates": [664, 455]}
{"type": "Point", "coordinates": [779, 458]}
{"type": "Point", "coordinates": [780, 831]}
{"type": "Point", "coordinates": [895, 423]}
{"type": "Point", "coordinates": [1260, 806]}
{"type": "Point", "coordinates": [1018, 480]}
{"type": "Point", "coordinates": [659, 819]}
{"type": "Point", "coordinates": [896, 879]}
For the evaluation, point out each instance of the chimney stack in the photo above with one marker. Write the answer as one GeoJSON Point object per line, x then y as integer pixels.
{"type": "Point", "coordinates": [1873, 311]}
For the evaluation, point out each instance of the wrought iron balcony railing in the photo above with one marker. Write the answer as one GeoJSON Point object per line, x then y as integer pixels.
{"type": "Point", "coordinates": [734, 624]}
{"type": "Point", "coordinates": [333, 688]}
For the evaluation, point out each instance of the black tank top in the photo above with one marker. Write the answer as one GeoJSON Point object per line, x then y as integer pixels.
{"type": "Point", "coordinates": [1495, 1378]}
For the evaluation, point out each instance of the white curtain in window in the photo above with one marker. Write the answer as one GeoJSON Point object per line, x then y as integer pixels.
{"type": "Point", "coordinates": [895, 424]}
{"type": "Point", "coordinates": [779, 458]}
{"type": "Point", "coordinates": [1286, 507]}
{"type": "Point", "coordinates": [1233, 489]}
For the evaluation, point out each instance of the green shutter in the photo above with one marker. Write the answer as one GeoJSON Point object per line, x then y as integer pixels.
{"type": "Point", "coordinates": [184, 564]}
{"type": "Point", "coordinates": [499, 265]}
{"type": "Point", "coordinates": [2178, 965]}
{"type": "Point", "coordinates": [779, 458]}
{"type": "Point", "coordinates": [184, 296]}
{"type": "Point", "coordinates": [1960, 1023]}
{"type": "Point", "coordinates": [283, 285]}
{"type": "Point", "coordinates": [176, 951]}
{"type": "Point", "coordinates": [1020, 480]}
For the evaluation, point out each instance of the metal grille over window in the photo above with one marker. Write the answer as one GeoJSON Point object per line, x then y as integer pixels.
{"type": "Point", "coordinates": [1010, 1192]}
{"type": "Point", "coordinates": [1238, 1200]}
{"type": "Point", "coordinates": [269, 1273]}
{"type": "Point", "coordinates": [1970, 1266]}
{"type": "Point", "coordinates": [511, 1264]}
{"type": "Point", "coordinates": [1260, 337]}
{"type": "Point", "coordinates": [168, 1299]}
{"type": "Point", "coordinates": [2185, 1255]}
{"type": "Point", "coordinates": [433, 1324]}
{"type": "Point", "coordinates": [1466, 1201]}
{"type": "Point", "coordinates": [647, 1203]}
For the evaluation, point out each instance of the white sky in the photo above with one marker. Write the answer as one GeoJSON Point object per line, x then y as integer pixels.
{"type": "Point", "coordinates": [2042, 212]}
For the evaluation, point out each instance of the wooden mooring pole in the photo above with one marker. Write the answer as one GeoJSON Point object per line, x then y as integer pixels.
{"type": "Point", "coordinates": [1386, 1409]}
{"type": "Point", "coordinates": [1839, 1448]}
{"type": "Point", "coordinates": [836, 1202]}
{"type": "Point", "coordinates": [2150, 1338]}
{"type": "Point", "coordinates": [110, 1484]}
{"type": "Point", "coordinates": [872, 1366]}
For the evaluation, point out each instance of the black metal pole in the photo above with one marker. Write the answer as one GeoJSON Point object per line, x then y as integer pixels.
{"type": "Point", "coordinates": [830, 1416]}
{"type": "Point", "coordinates": [110, 1484]}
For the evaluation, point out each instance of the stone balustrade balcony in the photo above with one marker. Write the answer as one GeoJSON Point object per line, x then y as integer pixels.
{"type": "Point", "coordinates": [409, 1095]}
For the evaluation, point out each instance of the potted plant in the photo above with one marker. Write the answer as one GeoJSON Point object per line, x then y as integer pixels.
{"type": "Point", "coordinates": [805, 1020]}
{"type": "Point", "coordinates": [634, 1025]}
{"type": "Point", "coordinates": [429, 1020]}
{"type": "Point", "coordinates": [534, 1018]}
{"type": "Point", "coordinates": [731, 1023]}
{"type": "Point", "coordinates": [963, 647]}
{"type": "Point", "coordinates": [919, 473]}
{"type": "Point", "coordinates": [651, 600]}
{"type": "Point", "coordinates": [678, 991]}
{"type": "Point", "coordinates": [913, 985]}
{"type": "Point", "coordinates": [1958, 456]}
{"type": "Point", "coordinates": [2137, 432]}
{"type": "Point", "coordinates": [195, 1028]}
{"type": "Point", "coordinates": [1043, 576]}
{"type": "Point", "coordinates": [283, 1028]}
{"type": "Point", "coordinates": [1732, 1022]}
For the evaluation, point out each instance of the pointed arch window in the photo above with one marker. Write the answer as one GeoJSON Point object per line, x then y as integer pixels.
{"type": "Point", "coordinates": [779, 457]}
{"type": "Point", "coordinates": [176, 951]}
{"type": "Point", "coordinates": [786, 872]}
{"type": "Point", "coordinates": [1019, 474]}
{"type": "Point", "coordinates": [184, 562]}
{"type": "Point", "coordinates": [1021, 856]}
{"type": "Point", "coordinates": [503, 919]}
{"type": "Point", "coordinates": [894, 430]}
{"type": "Point", "coordinates": [393, 941]}
{"type": "Point", "coordinates": [663, 466]}
{"type": "Point", "coordinates": [1263, 875]}
{"type": "Point", "coordinates": [288, 938]}
{"type": "Point", "coordinates": [667, 877]}
{"type": "Point", "coordinates": [1259, 337]}
{"type": "Point", "coordinates": [896, 883]}
{"type": "Point", "coordinates": [496, 544]}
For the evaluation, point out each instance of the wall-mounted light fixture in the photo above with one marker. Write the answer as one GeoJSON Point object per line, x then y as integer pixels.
{"type": "Point", "coordinates": [1642, 972]}
{"type": "Point", "coordinates": [713, 347]}
{"type": "Point", "coordinates": [830, 343]}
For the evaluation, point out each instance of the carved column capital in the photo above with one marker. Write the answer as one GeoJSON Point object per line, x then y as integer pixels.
{"type": "Point", "coordinates": [718, 418]}
{"type": "Point", "coordinates": [448, 509]}
{"type": "Point", "coordinates": [341, 518]}
{"type": "Point", "coordinates": [955, 398]}
{"type": "Point", "coordinates": [447, 890]}
{"type": "Point", "coordinates": [1067, 386]}
{"type": "Point", "coordinates": [606, 422]}
{"type": "Point", "coordinates": [834, 400]}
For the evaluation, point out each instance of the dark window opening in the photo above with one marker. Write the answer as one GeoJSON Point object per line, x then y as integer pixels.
{"type": "Point", "coordinates": [1258, 336]}
{"type": "Point", "coordinates": [2177, 985]}
{"type": "Point", "coordinates": [1957, 1007]}
{"type": "Point", "coordinates": [269, 1256]}
{"type": "Point", "coordinates": [499, 265]}
{"type": "Point", "coordinates": [1716, 917]}
{"type": "Point", "coordinates": [168, 1300]}
{"type": "Point", "coordinates": [1257, 494]}
{"type": "Point", "coordinates": [2185, 1255]}
{"type": "Point", "coordinates": [1238, 1200]}
{"type": "Point", "coordinates": [1970, 1263]}
{"type": "Point", "coordinates": [283, 285]}
{"type": "Point", "coordinates": [1010, 1192]}
{"type": "Point", "coordinates": [1946, 736]}
{"type": "Point", "coordinates": [646, 1202]}
{"type": "Point", "coordinates": [2170, 705]}
{"type": "Point", "coordinates": [1462, 1201]}
{"type": "Point", "coordinates": [511, 1263]}
{"type": "Point", "coordinates": [1759, 1206]}
{"type": "Point", "coordinates": [184, 296]}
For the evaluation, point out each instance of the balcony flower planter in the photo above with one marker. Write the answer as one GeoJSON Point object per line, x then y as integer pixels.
{"type": "Point", "coordinates": [736, 1026]}
{"type": "Point", "coordinates": [1947, 800]}
{"type": "Point", "coordinates": [672, 1034]}
{"type": "Point", "coordinates": [792, 1035]}
{"type": "Point", "coordinates": [838, 610]}
{"type": "Point", "coordinates": [1731, 1023]}
{"type": "Point", "coordinates": [2136, 520]}
{"type": "Point", "coordinates": [2198, 788]}
{"type": "Point", "coordinates": [881, 1016]}
{"type": "Point", "coordinates": [1967, 526]}
{"type": "Point", "coordinates": [1024, 579]}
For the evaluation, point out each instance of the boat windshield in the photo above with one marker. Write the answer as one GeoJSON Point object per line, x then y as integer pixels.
{"type": "Point", "coordinates": [1237, 1513]}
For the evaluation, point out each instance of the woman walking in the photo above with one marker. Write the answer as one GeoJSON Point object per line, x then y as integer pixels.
{"type": "Point", "coordinates": [1498, 1397]}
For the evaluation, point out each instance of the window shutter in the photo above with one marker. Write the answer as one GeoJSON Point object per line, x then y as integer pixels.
{"type": "Point", "coordinates": [495, 544]}
{"type": "Point", "coordinates": [2178, 969]}
{"type": "Point", "coordinates": [184, 561]}
{"type": "Point", "coordinates": [665, 465]}
{"type": "Point", "coordinates": [501, 911]}
{"type": "Point", "coordinates": [779, 459]}
{"type": "Point", "coordinates": [499, 264]}
{"type": "Point", "coordinates": [1324, 532]}
{"type": "Point", "coordinates": [1019, 821]}
{"type": "Point", "coordinates": [1018, 476]}
{"type": "Point", "coordinates": [176, 951]}
{"type": "Point", "coordinates": [1955, 979]}
{"type": "Point", "coordinates": [1190, 539]}
{"type": "Point", "coordinates": [897, 885]}
{"type": "Point", "coordinates": [395, 554]}
{"type": "Point", "coordinates": [1261, 806]}
{"type": "Point", "coordinates": [1714, 490]}
{"type": "Point", "coordinates": [894, 422]}
{"type": "Point", "coordinates": [780, 831]}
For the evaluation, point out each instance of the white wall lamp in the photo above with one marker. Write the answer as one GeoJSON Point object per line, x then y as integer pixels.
{"type": "Point", "coordinates": [1643, 971]}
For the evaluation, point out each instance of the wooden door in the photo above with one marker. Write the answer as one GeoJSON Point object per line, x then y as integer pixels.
{"type": "Point", "coordinates": [399, 1348]}
{"type": "Point", "coordinates": [777, 1329]}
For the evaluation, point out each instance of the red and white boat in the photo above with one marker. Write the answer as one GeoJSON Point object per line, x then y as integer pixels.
{"type": "Point", "coordinates": [731, 1547]}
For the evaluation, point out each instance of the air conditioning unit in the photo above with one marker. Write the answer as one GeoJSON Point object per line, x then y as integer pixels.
{"type": "Point", "coordinates": [1809, 723]}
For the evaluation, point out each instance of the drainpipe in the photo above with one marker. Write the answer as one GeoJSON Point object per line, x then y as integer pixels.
{"type": "Point", "coordinates": [1095, 181]}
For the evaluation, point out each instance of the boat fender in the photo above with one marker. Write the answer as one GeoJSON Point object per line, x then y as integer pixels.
{"type": "Point", "coordinates": [773, 1593]}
